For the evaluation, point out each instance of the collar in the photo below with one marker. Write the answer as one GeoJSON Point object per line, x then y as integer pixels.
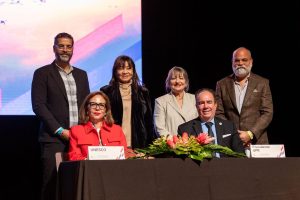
{"type": "Point", "coordinates": [125, 85]}
{"type": "Point", "coordinates": [247, 78]}
{"type": "Point", "coordinates": [61, 69]}
{"type": "Point", "coordinates": [90, 127]}
{"type": "Point", "coordinates": [172, 94]}
{"type": "Point", "coordinates": [212, 121]}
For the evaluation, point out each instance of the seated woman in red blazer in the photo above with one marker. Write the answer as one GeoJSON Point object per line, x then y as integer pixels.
{"type": "Point", "coordinates": [97, 127]}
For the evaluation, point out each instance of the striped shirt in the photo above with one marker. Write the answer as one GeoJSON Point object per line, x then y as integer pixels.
{"type": "Point", "coordinates": [70, 86]}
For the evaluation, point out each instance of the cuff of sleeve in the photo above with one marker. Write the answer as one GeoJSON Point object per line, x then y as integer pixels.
{"type": "Point", "coordinates": [250, 134]}
{"type": "Point", "coordinates": [59, 131]}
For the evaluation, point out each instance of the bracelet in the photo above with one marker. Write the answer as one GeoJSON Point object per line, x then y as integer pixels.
{"type": "Point", "coordinates": [59, 131]}
{"type": "Point", "coordinates": [250, 134]}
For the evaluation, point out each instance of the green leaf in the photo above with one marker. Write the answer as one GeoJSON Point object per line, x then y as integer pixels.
{"type": "Point", "coordinates": [192, 149]}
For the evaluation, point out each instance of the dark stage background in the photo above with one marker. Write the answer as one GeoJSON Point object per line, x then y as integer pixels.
{"type": "Point", "coordinates": [199, 36]}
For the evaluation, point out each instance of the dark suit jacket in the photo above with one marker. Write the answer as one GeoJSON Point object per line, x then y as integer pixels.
{"type": "Point", "coordinates": [225, 130]}
{"type": "Point", "coordinates": [257, 109]}
{"type": "Point", "coordinates": [50, 102]}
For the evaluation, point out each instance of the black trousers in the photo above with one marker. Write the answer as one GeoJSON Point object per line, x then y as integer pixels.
{"type": "Point", "coordinates": [49, 177]}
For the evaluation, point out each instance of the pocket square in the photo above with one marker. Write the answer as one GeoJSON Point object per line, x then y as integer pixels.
{"type": "Point", "coordinates": [226, 135]}
{"type": "Point", "coordinates": [255, 90]}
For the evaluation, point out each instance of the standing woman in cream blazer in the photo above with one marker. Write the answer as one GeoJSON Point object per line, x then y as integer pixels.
{"type": "Point", "coordinates": [175, 107]}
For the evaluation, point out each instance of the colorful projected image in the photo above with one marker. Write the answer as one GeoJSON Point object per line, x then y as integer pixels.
{"type": "Point", "coordinates": [102, 30]}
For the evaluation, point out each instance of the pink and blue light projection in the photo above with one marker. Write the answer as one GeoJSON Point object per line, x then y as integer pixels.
{"type": "Point", "coordinates": [102, 30]}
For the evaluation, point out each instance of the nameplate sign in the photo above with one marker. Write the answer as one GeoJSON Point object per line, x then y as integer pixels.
{"type": "Point", "coordinates": [106, 153]}
{"type": "Point", "coordinates": [267, 151]}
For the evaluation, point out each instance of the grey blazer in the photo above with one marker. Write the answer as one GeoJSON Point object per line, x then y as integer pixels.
{"type": "Point", "coordinates": [168, 115]}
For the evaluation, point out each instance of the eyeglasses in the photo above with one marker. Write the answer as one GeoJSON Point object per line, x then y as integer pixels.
{"type": "Point", "coordinates": [100, 106]}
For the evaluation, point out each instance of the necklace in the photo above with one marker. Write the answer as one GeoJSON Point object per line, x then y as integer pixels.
{"type": "Point", "coordinates": [125, 89]}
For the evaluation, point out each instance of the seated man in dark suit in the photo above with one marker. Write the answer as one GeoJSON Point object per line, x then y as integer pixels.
{"type": "Point", "coordinates": [224, 131]}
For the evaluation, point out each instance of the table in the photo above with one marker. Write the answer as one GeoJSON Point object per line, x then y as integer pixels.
{"type": "Point", "coordinates": [175, 178]}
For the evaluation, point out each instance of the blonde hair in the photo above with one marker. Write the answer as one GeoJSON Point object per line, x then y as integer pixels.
{"type": "Point", "coordinates": [172, 72]}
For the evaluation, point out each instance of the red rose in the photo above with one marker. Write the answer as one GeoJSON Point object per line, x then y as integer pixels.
{"type": "Point", "coordinates": [203, 138]}
{"type": "Point", "coordinates": [185, 137]}
{"type": "Point", "coordinates": [171, 144]}
{"type": "Point", "coordinates": [175, 139]}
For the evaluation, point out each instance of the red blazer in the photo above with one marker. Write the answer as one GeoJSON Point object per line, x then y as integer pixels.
{"type": "Point", "coordinates": [82, 136]}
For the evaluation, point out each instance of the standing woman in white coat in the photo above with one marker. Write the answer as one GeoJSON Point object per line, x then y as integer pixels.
{"type": "Point", "coordinates": [175, 107]}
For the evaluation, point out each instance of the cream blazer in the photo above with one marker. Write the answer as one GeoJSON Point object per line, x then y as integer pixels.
{"type": "Point", "coordinates": [168, 115]}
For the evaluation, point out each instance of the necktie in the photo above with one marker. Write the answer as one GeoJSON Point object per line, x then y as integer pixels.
{"type": "Point", "coordinates": [210, 132]}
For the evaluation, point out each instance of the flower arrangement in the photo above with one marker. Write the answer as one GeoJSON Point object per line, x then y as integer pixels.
{"type": "Point", "coordinates": [197, 148]}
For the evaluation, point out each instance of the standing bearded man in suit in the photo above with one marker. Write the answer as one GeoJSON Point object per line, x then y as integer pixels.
{"type": "Point", "coordinates": [245, 98]}
{"type": "Point", "coordinates": [57, 91]}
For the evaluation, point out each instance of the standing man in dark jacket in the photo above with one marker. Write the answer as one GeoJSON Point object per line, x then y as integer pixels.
{"type": "Point", "coordinates": [245, 98]}
{"type": "Point", "coordinates": [58, 89]}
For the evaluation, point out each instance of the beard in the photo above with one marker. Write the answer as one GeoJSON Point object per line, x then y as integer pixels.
{"type": "Point", "coordinates": [64, 57]}
{"type": "Point", "coordinates": [241, 71]}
